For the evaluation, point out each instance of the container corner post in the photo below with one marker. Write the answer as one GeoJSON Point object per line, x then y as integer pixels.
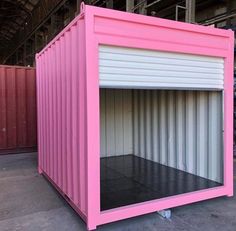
{"type": "Point", "coordinates": [40, 171]}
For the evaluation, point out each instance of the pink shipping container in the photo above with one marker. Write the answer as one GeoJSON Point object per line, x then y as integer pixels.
{"type": "Point", "coordinates": [135, 114]}
{"type": "Point", "coordinates": [18, 126]}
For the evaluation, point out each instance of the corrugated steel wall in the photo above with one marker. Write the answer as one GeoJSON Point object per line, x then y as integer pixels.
{"type": "Point", "coordinates": [61, 103]}
{"type": "Point", "coordinates": [18, 126]}
{"type": "Point", "coordinates": [181, 129]}
{"type": "Point", "coordinates": [116, 122]}
{"type": "Point", "coordinates": [121, 67]}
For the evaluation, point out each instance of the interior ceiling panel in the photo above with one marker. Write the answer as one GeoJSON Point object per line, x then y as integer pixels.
{"type": "Point", "coordinates": [13, 14]}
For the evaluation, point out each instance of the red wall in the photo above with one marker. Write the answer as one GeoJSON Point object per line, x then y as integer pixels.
{"type": "Point", "coordinates": [18, 127]}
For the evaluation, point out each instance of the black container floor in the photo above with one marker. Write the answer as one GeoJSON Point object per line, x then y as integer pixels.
{"type": "Point", "coordinates": [129, 179]}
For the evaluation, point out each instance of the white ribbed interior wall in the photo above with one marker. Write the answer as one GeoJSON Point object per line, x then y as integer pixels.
{"type": "Point", "coordinates": [180, 129]}
{"type": "Point", "coordinates": [116, 112]}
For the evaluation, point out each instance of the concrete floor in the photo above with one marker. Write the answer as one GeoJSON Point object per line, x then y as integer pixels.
{"type": "Point", "coordinates": [28, 202]}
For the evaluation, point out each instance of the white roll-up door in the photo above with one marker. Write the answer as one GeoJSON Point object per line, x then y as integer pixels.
{"type": "Point", "coordinates": [121, 67]}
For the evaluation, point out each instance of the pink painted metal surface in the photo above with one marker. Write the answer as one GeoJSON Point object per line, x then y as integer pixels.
{"type": "Point", "coordinates": [61, 114]}
{"type": "Point", "coordinates": [17, 109]}
{"type": "Point", "coordinates": [68, 103]}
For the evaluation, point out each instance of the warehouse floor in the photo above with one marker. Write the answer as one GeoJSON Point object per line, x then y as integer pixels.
{"type": "Point", "coordinates": [28, 202]}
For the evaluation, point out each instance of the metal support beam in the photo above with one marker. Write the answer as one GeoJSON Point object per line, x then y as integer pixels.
{"type": "Point", "coordinates": [78, 3]}
{"type": "Point", "coordinates": [229, 5]}
{"type": "Point", "coordinates": [35, 42]}
{"type": "Point", "coordinates": [142, 8]}
{"type": "Point", "coordinates": [109, 4]}
{"type": "Point", "coordinates": [17, 56]}
{"type": "Point", "coordinates": [190, 11]}
{"type": "Point", "coordinates": [152, 4]}
{"type": "Point", "coordinates": [55, 5]}
{"type": "Point", "coordinates": [53, 26]}
{"type": "Point", "coordinates": [129, 5]}
{"type": "Point", "coordinates": [71, 11]}
{"type": "Point", "coordinates": [177, 8]}
{"type": "Point", "coordinates": [138, 5]}
{"type": "Point", "coordinates": [24, 53]}
{"type": "Point", "coordinates": [219, 18]}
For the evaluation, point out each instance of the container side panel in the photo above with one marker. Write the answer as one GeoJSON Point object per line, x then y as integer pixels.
{"type": "Point", "coordinates": [64, 116]}
{"type": "Point", "coordinates": [61, 86]}
{"type": "Point", "coordinates": [46, 126]}
{"type": "Point", "coordinates": [82, 120]}
{"type": "Point", "coordinates": [45, 111]}
{"type": "Point", "coordinates": [21, 107]}
{"type": "Point", "coordinates": [50, 111]}
{"type": "Point", "coordinates": [58, 86]}
{"type": "Point", "coordinates": [31, 117]}
{"type": "Point", "coordinates": [40, 114]}
{"type": "Point", "coordinates": [54, 117]}
{"type": "Point", "coordinates": [68, 83]}
{"type": "Point", "coordinates": [3, 109]}
{"type": "Point", "coordinates": [11, 107]}
{"type": "Point", "coordinates": [74, 115]}
{"type": "Point", "coordinates": [18, 111]}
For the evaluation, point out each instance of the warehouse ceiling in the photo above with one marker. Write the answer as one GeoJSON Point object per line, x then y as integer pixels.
{"type": "Point", "coordinates": [13, 15]}
{"type": "Point", "coordinates": [26, 26]}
